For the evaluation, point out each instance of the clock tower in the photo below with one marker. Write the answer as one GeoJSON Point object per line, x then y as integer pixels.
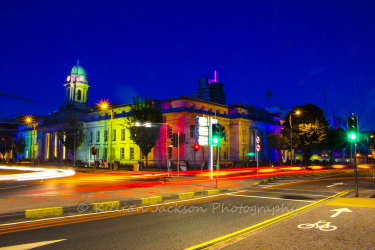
{"type": "Point", "coordinates": [76, 87]}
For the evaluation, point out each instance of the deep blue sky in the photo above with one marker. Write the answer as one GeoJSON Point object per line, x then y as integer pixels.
{"type": "Point", "coordinates": [161, 48]}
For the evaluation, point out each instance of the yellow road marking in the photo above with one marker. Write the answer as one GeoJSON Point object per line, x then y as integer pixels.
{"type": "Point", "coordinates": [353, 202]}
{"type": "Point", "coordinates": [258, 226]}
{"type": "Point", "coordinates": [272, 198]}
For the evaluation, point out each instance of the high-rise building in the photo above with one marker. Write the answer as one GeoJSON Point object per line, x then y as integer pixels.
{"type": "Point", "coordinates": [210, 90]}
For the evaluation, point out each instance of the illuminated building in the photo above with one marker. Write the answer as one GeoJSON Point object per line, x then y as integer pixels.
{"type": "Point", "coordinates": [242, 122]}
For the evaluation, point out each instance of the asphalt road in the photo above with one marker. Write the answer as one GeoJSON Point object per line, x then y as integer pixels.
{"type": "Point", "coordinates": [177, 225]}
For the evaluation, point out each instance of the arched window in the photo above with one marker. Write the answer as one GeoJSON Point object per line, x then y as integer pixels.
{"type": "Point", "coordinates": [79, 95]}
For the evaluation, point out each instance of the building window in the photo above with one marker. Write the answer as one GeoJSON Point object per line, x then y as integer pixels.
{"type": "Point", "coordinates": [169, 131]}
{"type": "Point", "coordinates": [131, 153]}
{"type": "Point", "coordinates": [225, 134]}
{"type": "Point", "coordinates": [192, 108]}
{"type": "Point", "coordinates": [105, 153]}
{"type": "Point", "coordinates": [98, 153]}
{"type": "Point", "coordinates": [47, 146]}
{"type": "Point", "coordinates": [170, 153]}
{"type": "Point", "coordinates": [122, 153]}
{"type": "Point", "coordinates": [114, 135]}
{"type": "Point", "coordinates": [169, 108]}
{"type": "Point", "coordinates": [113, 153]}
{"type": "Point", "coordinates": [90, 136]}
{"type": "Point", "coordinates": [243, 134]}
{"type": "Point", "coordinates": [105, 135]}
{"type": "Point", "coordinates": [79, 95]}
{"type": "Point", "coordinates": [225, 154]}
{"type": "Point", "coordinates": [192, 127]}
{"type": "Point", "coordinates": [243, 154]}
{"type": "Point", "coordinates": [122, 134]}
{"type": "Point", "coordinates": [97, 136]}
{"type": "Point", "coordinates": [217, 112]}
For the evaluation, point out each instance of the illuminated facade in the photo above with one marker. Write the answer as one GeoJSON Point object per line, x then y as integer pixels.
{"type": "Point", "coordinates": [242, 123]}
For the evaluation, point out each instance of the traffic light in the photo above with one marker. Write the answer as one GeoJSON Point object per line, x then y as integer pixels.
{"type": "Point", "coordinates": [196, 146]}
{"type": "Point", "coordinates": [216, 134]}
{"type": "Point", "coordinates": [352, 128]}
{"type": "Point", "coordinates": [93, 151]}
{"type": "Point", "coordinates": [174, 140]}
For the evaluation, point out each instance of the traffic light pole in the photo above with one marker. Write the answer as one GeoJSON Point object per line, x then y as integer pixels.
{"type": "Point", "coordinates": [178, 153]}
{"type": "Point", "coordinates": [210, 156]}
{"type": "Point", "coordinates": [355, 170]}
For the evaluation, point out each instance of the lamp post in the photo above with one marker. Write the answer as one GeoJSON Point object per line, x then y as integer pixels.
{"type": "Point", "coordinates": [29, 120]}
{"type": "Point", "coordinates": [291, 144]}
{"type": "Point", "coordinates": [104, 105]}
{"type": "Point", "coordinates": [368, 146]}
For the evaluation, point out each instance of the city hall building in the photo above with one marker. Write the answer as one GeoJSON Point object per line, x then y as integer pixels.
{"type": "Point", "coordinates": [242, 124]}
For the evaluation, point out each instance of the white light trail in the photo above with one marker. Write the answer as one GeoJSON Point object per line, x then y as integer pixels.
{"type": "Point", "coordinates": [40, 173]}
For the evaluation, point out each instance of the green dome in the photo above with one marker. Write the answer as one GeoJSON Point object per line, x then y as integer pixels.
{"type": "Point", "coordinates": [77, 70]}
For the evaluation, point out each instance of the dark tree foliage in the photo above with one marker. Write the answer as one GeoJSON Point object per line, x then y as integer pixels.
{"type": "Point", "coordinates": [143, 111]}
{"type": "Point", "coordinates": [20, 145]}
{"type": "Point", "coordinates": [71, 133]}
{"type": "Point", "coordinates": [336, 140]}
{"type": "Point", "coordinates": [309, 129]}
{"type": "Point", "coordinates": [278, 143]}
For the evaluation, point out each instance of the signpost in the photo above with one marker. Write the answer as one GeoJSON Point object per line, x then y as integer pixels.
{"type": "Point", "coordinates": [204, 137]}
{"type": "Point", "coordinates": [257, 147]}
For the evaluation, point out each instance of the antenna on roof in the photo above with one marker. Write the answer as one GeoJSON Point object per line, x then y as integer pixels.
{"type": "Point", "coordinates": [215, 76]}
{"type": "Point", "coordinates": [78, 62]}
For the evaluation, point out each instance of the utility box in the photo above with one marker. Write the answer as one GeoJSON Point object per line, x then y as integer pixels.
{"type": "Point", "coordinates": [136, 167]}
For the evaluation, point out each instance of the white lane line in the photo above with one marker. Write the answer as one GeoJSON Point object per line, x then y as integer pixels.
{"type": "Point", "coordinates": [14, 187]}
{"type": "Point", "coordinates": [296, 193]}
{"type": "Point", "coordinates": [30, 245]}
{"type": "Point", "coordinates": [272, 198]}
{"type": "Point", "coordinates": [304, 190]}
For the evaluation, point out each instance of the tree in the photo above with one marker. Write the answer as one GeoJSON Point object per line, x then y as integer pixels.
{"type": "Point", "coordinates": [144, 124]}
{"type": "Point", "coordinates": [309, 129]}
{"type": "Point", "coordinates": [71, 134]}
{"type": "Point", "coordinates": [278, 143]}
{"type": "Point", "coordinates": [20, 146]}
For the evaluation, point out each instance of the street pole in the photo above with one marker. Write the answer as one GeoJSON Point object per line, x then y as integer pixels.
{"type": "Point", "coordinates": [110, 166]}
{"type": "Point", "coordinates": [33, 144]}
{"type": "Point", "coordinates": [178, 153]}
{"type": "Point", "coordinates": [210, 156]}
{"type": "Point", "coordinates": [291, 145]}
{"type": "Point", "coordinates": [74, 160]}
{"type": "Point", "coordinates": [355, 170]}
{"type": "Point", "coordinates": [256, 156]}
{"type": "Point", "coordinates": [217, 162]}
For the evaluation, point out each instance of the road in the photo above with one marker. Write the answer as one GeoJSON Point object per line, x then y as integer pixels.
{"type": "Point", "coordinates": [212, 220]}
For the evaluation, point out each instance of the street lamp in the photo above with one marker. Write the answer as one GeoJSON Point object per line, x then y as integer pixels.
{"type": "Point", "coordinates": [368, 146]}
{"type": "Point", "coordinates": [29, 120]}
{"type": "Point", "coordinates": [291, 145]}
{"type": "Point", "coordinates": [104, 105]}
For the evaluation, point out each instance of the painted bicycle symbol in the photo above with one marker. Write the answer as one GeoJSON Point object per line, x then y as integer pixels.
{"type": "Point", "coordinates": [322, 225]}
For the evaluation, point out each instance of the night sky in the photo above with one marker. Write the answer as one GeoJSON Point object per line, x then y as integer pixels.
{"type": "Point", "coordinates": [161, 48]}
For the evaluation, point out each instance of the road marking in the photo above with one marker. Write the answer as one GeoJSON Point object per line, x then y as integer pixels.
{"type": "Point", "coordinates": [296, 194]}
{"type": "Point", "coordinates": [339, 211]}
{"type": "Point", "coordinates": [258, 226]}
{"type": "Point", "coordinates": [14, 187]}
{"type": "Point", "coordinates": [30, 245]}
{"type": "Point", "coordinates": [335, 184]}
{"type": "Point", "coordinates": [353, 202]}
{"type": "Point", "coordinates": [322, 225]}
{"type": "Point", "coordinates": [272, 198]}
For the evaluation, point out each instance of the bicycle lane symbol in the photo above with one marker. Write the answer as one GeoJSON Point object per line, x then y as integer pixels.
{"type": "Point", "coordinates": [322, 225]}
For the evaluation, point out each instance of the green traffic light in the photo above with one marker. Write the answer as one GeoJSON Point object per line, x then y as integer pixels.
{"type": "Point", "coordinates": [352, 136]}
{"type": "Point", "coordinates": [251, 154]}
{"type": "Point", "coordinates": [215, 140]}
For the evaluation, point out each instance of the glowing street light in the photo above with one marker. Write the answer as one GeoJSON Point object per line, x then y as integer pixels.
{"type": "Point", "coordinates": [298, 112]}
{"type": "Point", "coordinates": [103, 106]}
{"type": "Point", "coordinates": [29, 120]}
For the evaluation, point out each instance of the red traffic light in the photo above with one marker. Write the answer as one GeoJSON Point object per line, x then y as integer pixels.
{"type": "Point", "coordinates": [196, 146]}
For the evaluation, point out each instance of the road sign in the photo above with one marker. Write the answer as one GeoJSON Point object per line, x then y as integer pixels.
{"type": "Point", "coordinates": [258, 148]}
{"type": "Point", "coordinates": [257, 139]}
{"type": "Point", "coordinates": [203, 141]}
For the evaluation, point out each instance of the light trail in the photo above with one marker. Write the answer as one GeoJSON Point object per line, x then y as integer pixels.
{"type": "Point", "coordinates": [40, 174]}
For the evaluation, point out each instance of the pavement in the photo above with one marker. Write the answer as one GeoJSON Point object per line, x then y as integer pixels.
{"type": "Point", "coordinates": [342, 223]}
{"type": "Point", "coordinates": [35, 207]}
